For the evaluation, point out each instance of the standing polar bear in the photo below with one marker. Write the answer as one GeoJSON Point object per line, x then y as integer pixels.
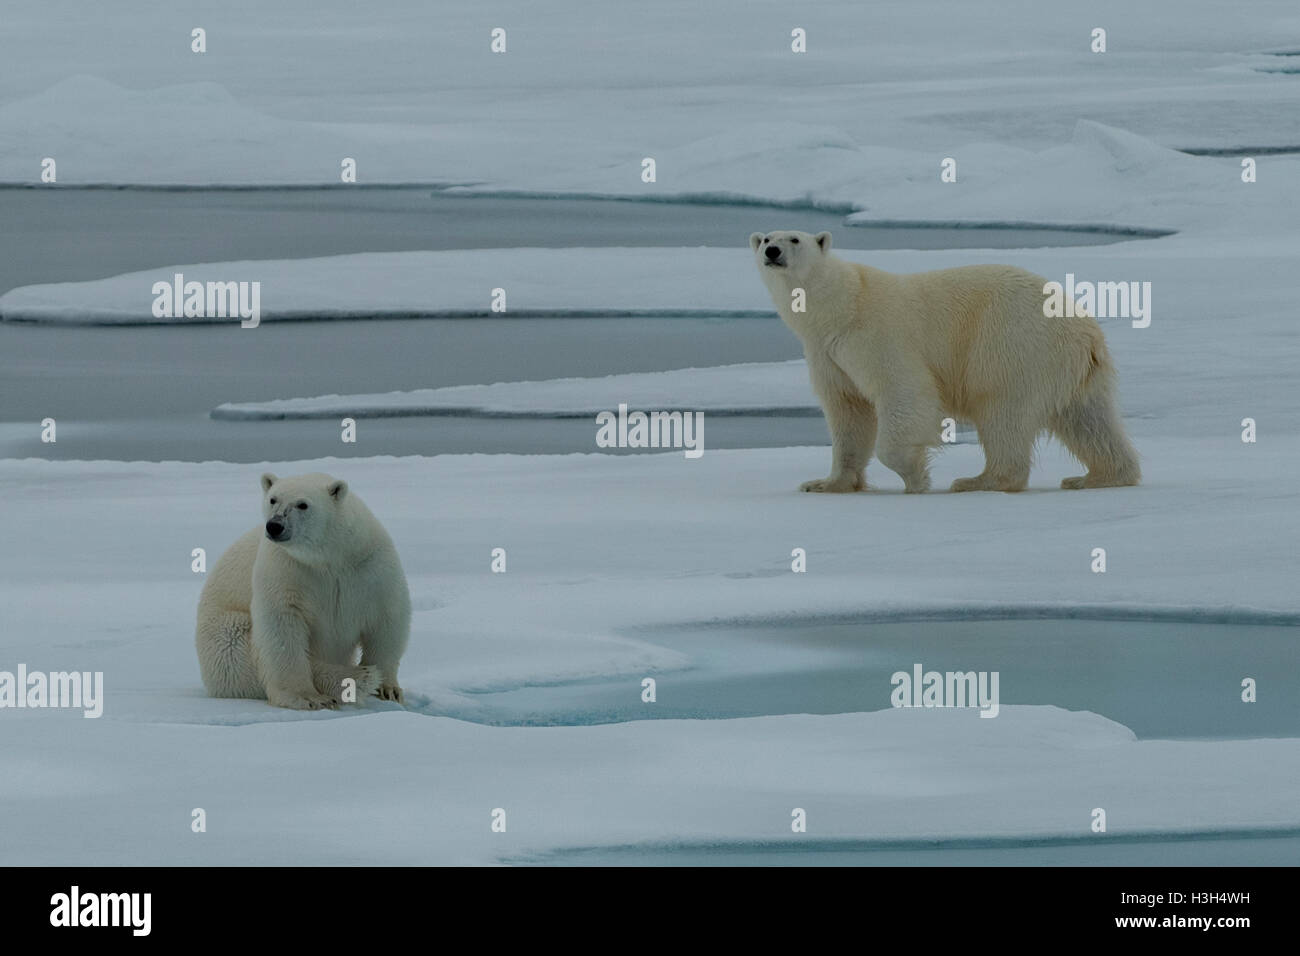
{"type": "Point", "coordinates": [891, 355]}
{"type": "Point", "coordinates": [283, 612]}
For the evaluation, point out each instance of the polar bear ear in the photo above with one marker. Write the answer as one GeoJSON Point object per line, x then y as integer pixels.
{"type": "Point", "coordinates": [268, 480]}
{"type": "Point", "coordinates": [338, 489]}
{"type": "Point", "coordinates": [823, 241]}
{"type": "Point", "coordinates": [754, 239]}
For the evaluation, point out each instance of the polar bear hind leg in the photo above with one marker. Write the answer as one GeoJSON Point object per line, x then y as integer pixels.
{"type": "Point", "coordinates": [1007, 435]}
{"type": "Point", "coordinates": [226, 656]}
{"type": "Point", "coordinates": [1091, 428]}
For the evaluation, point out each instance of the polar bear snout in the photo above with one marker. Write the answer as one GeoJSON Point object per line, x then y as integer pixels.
{"type": "Point", "coordinates": [276, 530]}
{"type": "Point", "coordinates": [790, 250]}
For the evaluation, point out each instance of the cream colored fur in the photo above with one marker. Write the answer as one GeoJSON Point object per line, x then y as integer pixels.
{"type": "Point", "coordinates": [890, 356]}
{"type": "Point", "coordinates": [285, 619]}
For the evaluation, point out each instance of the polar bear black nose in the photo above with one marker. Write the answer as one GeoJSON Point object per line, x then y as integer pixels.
{"type": "Point", "coordinates": [274, 529]}
{"type": "Point", "coordinates": [773, 252]}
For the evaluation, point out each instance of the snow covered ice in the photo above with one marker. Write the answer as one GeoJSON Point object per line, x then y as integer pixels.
{"type": "Point", "coordinates": [613, 558]}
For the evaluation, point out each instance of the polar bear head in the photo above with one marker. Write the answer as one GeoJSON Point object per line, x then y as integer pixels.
{"type": "Point", "coordinates": [300, 511]}
{"type": "Point", "coordinates": [789, 252]}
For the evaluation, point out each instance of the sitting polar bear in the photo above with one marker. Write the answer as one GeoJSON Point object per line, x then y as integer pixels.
{"type": "Point", "coordinates": [283, 612]}
{"type": "Point", "coordinates": [891, 355]}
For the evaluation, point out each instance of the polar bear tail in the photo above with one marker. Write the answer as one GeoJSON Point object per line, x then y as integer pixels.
{"type": "Point", "coordinates": [226, 655]}
{"type": "Point", "coordinates": [1091, 428]}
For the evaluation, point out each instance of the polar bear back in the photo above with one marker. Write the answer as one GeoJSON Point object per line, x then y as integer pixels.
{"type": "Point", "coordinates": [983, 336]}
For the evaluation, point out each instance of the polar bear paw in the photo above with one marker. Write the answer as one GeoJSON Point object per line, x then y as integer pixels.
{"type": "Point", "coordinates": [368, 678]}
{"type": "Point", "coordinates": [986, 483]}
{"type": "Point", "coordinates": [313, 701]}
{"type": "Point", "coordinates": [838, 485]}
{"type": "Point", "coordinates": [1091, 480]}
{"type": "Point", "coordinates": [387, 691]}
{"type": "Point", "coordinates": [977, 483]}
{"type": "Point", "coordinates": [345, 684]}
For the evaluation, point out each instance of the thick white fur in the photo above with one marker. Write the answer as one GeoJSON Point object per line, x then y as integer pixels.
{"type": "Point", "coordinates": [891, 356]}
{"type": "Point", "coordinates": [284, 620]}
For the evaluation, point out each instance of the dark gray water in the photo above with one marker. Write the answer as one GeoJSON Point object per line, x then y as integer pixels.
{"type": "Point", "coordinates": [1160, 679]}
{"type": "Point", "coordinates": [62, 234]}
{"type": "Point", "coordinates": [197, 438]}
{"type": "Point", "coordinates": [144, 393]}
{"type": "Point", "coordinates": [141, 372]}
{"type": "Point", "coordinates": [1250, 849]}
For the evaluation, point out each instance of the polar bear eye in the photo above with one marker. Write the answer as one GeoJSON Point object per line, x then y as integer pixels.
{"type": "Point", "coordinates": [272, 501]}
{"type": "Point", "coordinates": [302, 506]}
{"type": "Point", "coordinates": [794, 241]}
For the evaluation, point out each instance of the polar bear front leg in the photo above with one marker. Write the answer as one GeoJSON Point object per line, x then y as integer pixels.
{"type": "Point", "coordinates": [383, 644]}
{"type": "Point", "coordinates": [909, 413]}
{"type": "Point", "coordinates": [281, 641]}
{"type": "Point", "coordinates": [909, 430]}
{"type": "Point", "coordinates": [851, 419]}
